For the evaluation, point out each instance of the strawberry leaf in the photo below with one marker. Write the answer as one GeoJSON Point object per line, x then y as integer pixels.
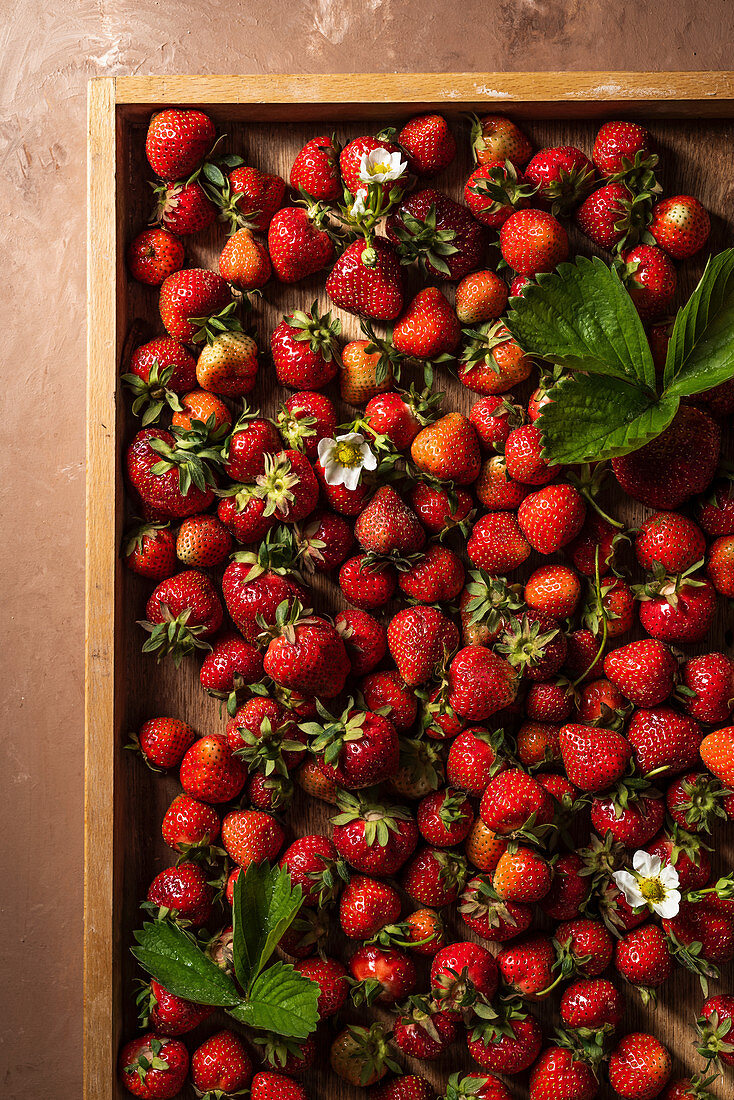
{"type": "Point", "coordinates": [281, 1000]}
{"type": "Point", "coordinates": [175, 960]}
{"type": "Point", "coordinates": [581, 317]}
{"type": "Point", "coordinates": [591, 417]}
{"type": "Point", "coordinates": [701, 349]}
{"type": "Point", "coordinates": [264, 905]}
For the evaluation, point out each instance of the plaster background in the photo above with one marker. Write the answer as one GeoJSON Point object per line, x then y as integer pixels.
{"type": "Point", "coordinates": [47, 54]}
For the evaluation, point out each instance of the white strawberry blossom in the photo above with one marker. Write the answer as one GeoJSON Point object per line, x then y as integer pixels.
{"type": "Point", "coordinates": [381, 166]}
{"type": "Point", "coordinates": [344, 458]}
{"type": "Point", "coordinates": [651, 883]}
{"type": "Point", "coordinates": [358, 206]}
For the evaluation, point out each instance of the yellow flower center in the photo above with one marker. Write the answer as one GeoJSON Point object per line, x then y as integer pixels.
{"type": "Point", "coordinates": [375, 169]}
{"type": "Point", "coordinates": [349, 455]}
{"type": "Point", "coordinates": [652, 889]}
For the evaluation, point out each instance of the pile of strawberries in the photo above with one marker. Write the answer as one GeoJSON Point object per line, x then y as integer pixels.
{"type": "Point", "coordinates": [522, 796]}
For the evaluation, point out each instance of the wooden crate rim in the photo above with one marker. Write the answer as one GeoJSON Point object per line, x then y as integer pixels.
{"type": "Point", "coordinates": [108, 98]}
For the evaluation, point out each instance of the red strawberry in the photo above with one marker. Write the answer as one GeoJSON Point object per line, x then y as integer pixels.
{"type": "Point", "coordinates": [382, 974]}
{"type": "Point", "coordinates": [419, 640]}
{"type": "Point", "coordinates": [496, 137]}
{"type": "Point", "coordinates": [437, 577]}
{"type": "Point", "coordinates": [288, 486]}
{"type": "Point", "coordinates": [596, 532]}
{"type": "Point", "coordinates": [674, 610]}
{"type": "Point", "coordinates": [533, 645]}
{"type": "Point", "coordinates": [210, 772]}
{"type": "Point", "coordinates": [639, 1067]}
{"type": "Point", "coordinates": [297, 245]}
{"type": "Point", "coordinates": [533, 241]}
{"type": "Point", "coordinates": [367, 905]}
{"type": "Point", "coordinates": [244, 262]}
{"type": "Point", "coordinates": [492, 362]}
{"type": "Point", "coordinates": [184, 890]}
{"type": "Point", "coordinates": [569, 889]}
{"type": "Point", "coordinates": [642, 957]}
{"type": "Point", "coordinates": [221, 1064]}
{"type": "Point", "coordinates": [680, 225]}
{"type": "Point", "coordinates": [163, 741]}
{"type": "Point", "coordinates": [305, 419]}
{"type": "Point", "coordinates": [537, 743]}
{"type": "Point", "coordinates": [202, 542]}
{"type": "Point", "coordinates": [251, 440]}
{"type": "Point", "coordinates": [424, 1032]}
{"type": "Point", "coordinates": [548, 702]}
{"type": "Point", "coordinates": [687, 853]}
{"type": "Point", "coordinates": [356, 160]}
{"type": "Point", "coordinates": [676, 465]}
{"type": "Point", "coordinates": [563, 176]}
{"type": "Point", "coordinates": [204, 407]}
{"type": "Point", "coordinates": [650, 279]}
{"type": "Point", "coordinates": [497, 544]}
{"type": "Point", "coordinates": [228, 364]}
{"type": "Point", "coordinates": [440, 509]}
{"type": "Point", "coordinates": [509, 1044]}
{"type": "Point", "coordinates": [365, 639]}
{"type": "Point", "coordinates": [331, 978]}
{"type": "Point", "coordinates": [633, 824]}
{"type": "Point", "coordinates": [586, 945]}
{"type": "Point", "coordinates": [189, 825]}
{"type": "Point", "coordinates": [429, 143]}
{"type": "Point", "coordinates": [643, 671]}
{"type": "Point", "coordinates": [388, 689]}
{"type": "Point", "coordinates": [374, 839]}
{"type": "Point", "coordinates": [551, 517]}
{"type": "Point", "coordinates": [480, 296]}
{"type": "Point", "coordinates": [160, 371]}
{"type": "Point", "coordinates": [306, 655]}
{"type": "Point", "coordinates": [232, 664]}
{"type": "Point", "coordinates": [154, 255]}
{"type": "Point", "coordinates": [168, 1014]}
{"type": "Point", "coordinates": [524, 455]}
{"type": "Point", "coordinates": [399, 415]}
{"type": "Point", "coordinates": [170, 479]}
{"type": "Point", "coordinates": [560, 1072]}
{"type": "Point", "coordinates": [695, 800]}
{"type": "Point", "coordinates": [613, 216]}
{"type": "Point", "coordinates": [428, 328]}
{"type": "Point", "coordinates": [663, 738]}
{"type": "Point", "coordinates": [177, 141]}
{"type": "Point", "coordinates": [619, 145]}
{"type": "Point", "coordinates": [357, 750]}
{"type": "Point", "coordinates": [153, 1068]}
{"type": "Point", "coordinates": [671, 539]}
{"type": "Point", "coordinates": [553, 590]}
{"type": "Point", "coordinates": [591, 1003]}
{"type": "Point", "coordinates": [711, 679]}
{"type": "Point", "coordinates": [367, 280]}
{"type": "Point", "coordinates": [182, 612]}
{"type": "Point", "coordinates": [276, 1086]}
{"type": "Point", "coordinates": [490, 917]}
{"type": "Point", "coordinates": [521, 874]}
{"type": "Point", "coordinates": [315, 171]}
{"type": "Point", "coordinates": [715, 513]}
{"type": "Point", "coordinates": [448, 450]}
{"type": "Point", "coordinates": [494, 190]}
{"type": "Point", "coordinates": [251, 836]}
{"type": "Point", "coordinates": [715, 1021]}
{"type": "Point", "coordinates": [189, 299]}
{"type": "Point", "coordinates": [303, 347]}
{"type": "Point", "coordinates": [324, 541]}
{"type": "Point", "coordinates": [406, 1087]}
{"type": "Point", "coordinates": [720, 565]}
{"type": "Point", "coordinates": [430, 227]}
{"type": "Point", "coordinates": [388, 526]}
{"type": "Point", "coordinates": [434, 878]}
{"type": "Point", "coordinates": [444, 818]}
{"type": "Point", "coordinates": [480, 683]}
{"type": "Point", "coordinates": [150, 550]}
{"type": "Point", "coordinates": [594, 758]}
{"type": "Point", "coordinates": [184, 208]}
{"type": "Point", "coordinates": [463, 974]}
{"type": "Point", "coordinates": [513, 798]}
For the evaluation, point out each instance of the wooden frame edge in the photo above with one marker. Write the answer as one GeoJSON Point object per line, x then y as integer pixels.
{"type": "Point", "coordinates": [101, 555]}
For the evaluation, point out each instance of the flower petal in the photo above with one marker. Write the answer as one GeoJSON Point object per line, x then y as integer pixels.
{"type": "Point", "coordinates": [325, 448]}
{"type": "Point", "coordinates": [647, 866]}
{"type": "Point", "coordinates": [350, 478]}
{"type": "Point", "coordinates": [669, 876]}
{"type": "Point", "coordinates": [627, 883]}
{"type": "Point", "coordinates": [669, 906]}
{"type": "Point", "coordinates": [369, 461]}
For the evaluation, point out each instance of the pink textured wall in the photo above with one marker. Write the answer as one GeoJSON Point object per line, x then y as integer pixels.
{"type": "Point", "coordinates": [48, 53]}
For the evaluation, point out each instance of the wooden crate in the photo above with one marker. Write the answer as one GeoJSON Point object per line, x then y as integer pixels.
{"type": "Point", "coordinates": [268, 118]}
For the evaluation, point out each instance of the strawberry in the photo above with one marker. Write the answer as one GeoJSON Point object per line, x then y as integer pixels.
{"type": "Point", "coordinates": [315, 171]}
{"type": "Point", "coordinates": [720, 565]}
{"type": "Point", "coordinates": [494, 190]}
{"type": "Point", "coordinates": [331, 978]}
{"type": "Point", "coordinates": [569, 889]}
{"type": "Point", "coordinates": [560, 1072]}
{"type": "Point", "coordinates": [591, 1003]}
{"type": "Point", "coordinates": [206, 409]}
{"type": "Point", "coordinates": [522, 875]}
{"type": "Point", "coordinates": [664, 739]}
{"type": "Point", "coordinates": [483, 847]}
{"type": "Point", "coordinates": [433, 877]}
{"type": "Point", "coordinates": [297, 245]}
{"type": "Point", "coordinates": [532, 241]}
{"type": "Point", "coordinates": [367, 905]}
{"type": "Point", "coordinates": [387, 526]}
{"type": "Point", "coordinates": [150, 551]}
{"type": "Point", "coordinates": [717, 753]}
{"type": "Point", "coordinates": [369, 156]}
{"type": "Point", "coordinates": [715, 1024]}
{"type": "Point", "coordinates": [643, 671]}
{"type": "Point", "coordinates": [423, 1031]}
{"type": "Point", "coordinates": [184, 891]}
{"type": "Point", "coordinates": [524, 455]}
{"type": "Point", "coordinates": [650, 279]}
{"type": "Point", "coordinates": [463, 974]}
{"type": "Point", "coordinates": [153, 1068]}
{"type": "Point", "coordinates": [189, 825]}
{"type": "Point", "coordinates": [305, 419]}
{"type": "Point", "coordinates": [406, 1087]}
{"type": "Point", "coordinates": [548, 702]}
{"type": "Point", "coordinates": [365, 639]}
{"type": "Point", "coordinates": [537, 743]}
{"type": "Point", "coordinates": [365, 371]}
{"type": "Point", "coordinates": [228, 365]}
{"type": "Point", "coordinates": [251, 440]}
{"type": "Point", "coordinates": [642, 958]}
{"type": "Point", "coordinates": [676, 610]}
{"type": "Point", "coordinates": [244, 262]}
{"type": "Point", "coordinates": [715, 512]}
{"type": "Point", "coordinates": [480, 296]}
{"type": "Point", "coordinates": [429, 144]}
{"type": "Point", "coordinates": [480, 683]}
{"type": "Point", "coordinates": [312, 780]}
{"type": "Point", "coordinates": [496, 137]}
{"type": "Point", "coordinates": [563, 176]}
{"type": "Point", "coordinates": [211, 772]}
{"type": "Point", "coordinates": [154, 255]}
{"type": "Point", "coordinates": [601, 703]}
{"type": "Point", "coordinates": [162, 742]}
{"type": "Point", "coordinates": [382, 974]}
{"type": "Point", "coordinates": [250, 199]}
{"type": "Point", "coordinates": [306, 654]}
{"type": "Point", "coordinates": [639, 1067]}
{"type": "Point", "coordinates": [441, 234]}
{"type": "Point", "coordinates": [288, 486]}
{"type": "Point", "coordinates": [553, 590]}
{"type": "Point", "coordinates": [183, 208]}
{"type": "Point", "coordinates": [400, 415]}
{"type": "Point", "coordinates": [710, 679]}
{"type": "Point", "coordinates": [303, 347]}
{"type": "Point", "coordinates": [168, 1014]}
{"type": "Point", "coordinates": [439, 509]}
{"type": "Point", "coordinates": [428, 328]}
{"type": "Point", "coordinates": [676, 465]}
{"type": "Point", "coordinates": [492, 362]}
{"type": "Point", "coordinates": [490, 917]}
{"type": "Point", "coordinates": [160, 372]}
{"type": "Point", "coordinates": [243, 513]}
{"type": "Point", "coordinates": [177, 141]}
{"type": "Point", "coordinates": [551, 517]}
{"type": "Point", "coordinates": [619, 145]}
{"type": "Point", "coordinates": [221, 1065]}
{"type": "Point", "coordinates": [586, 945]}
{"type": "Point", "coordinates": [358, 749]}
{"type": "Point", "coordinates": [367, 280]}
{"type": "Point", "coordinates": [594, 758]}
{"type": "Point", "coordinates": [202, 542]}
{"type": "Point", "coordinates": [497, 543]}
{"type": "Point", "coordinates": [633, 824]}
{"type": "Point", "coordinates": [264, 734]}
{"type": "Point", "coordinates": [689, 1088]}
{"type": "Point", "coordinates": [169, 476]}
{"type": "Point", "coordinates": [513, 801]}
{"type": "Point", "coordinates": [287, 1056]}
{"type": "Point", "coordinates": [671, 539]}
{"type": "Point", "coordinates": [276, 1086]}
{"type": "Point", "coordinates": [694, 801]}
{"type": "Point", "coordinates": [190, 299]}
{"type": "Point", "coordinates": [596, 532]}
{"type": "Point", "coordinates": [367, 584]}
{"type": "Point", "coordinates": [387, 689]}
{"type": "Point", "coordinates": [182, 612]}
{"type": "Point", "coordinates": [533, 645]}
{"type": "Point", "coordinates": [680, 225]}
{"type": "Point", "coordinates": [510, 1044]}
{"type": "Point", "coordinates": [448, 450]}
{"type": "Point", "coordinates": [494, 418]}
{"type": "Point", "coordinates": [374, 839]}
{"type": "Point", "coordinates": [613, 216]}
{"type": "Point", "coordinates": [437, 577]}
{"type": "Point", "coordinates": [419, 639]}
{"type": "Point", "coordinates": [250, 836]}
{"type": "Point", "coordinates": [698, 923]}
{"type": "Point", "coordinates": [324, 541]}
{"type": "Point", "coordinates": [444, 818]}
